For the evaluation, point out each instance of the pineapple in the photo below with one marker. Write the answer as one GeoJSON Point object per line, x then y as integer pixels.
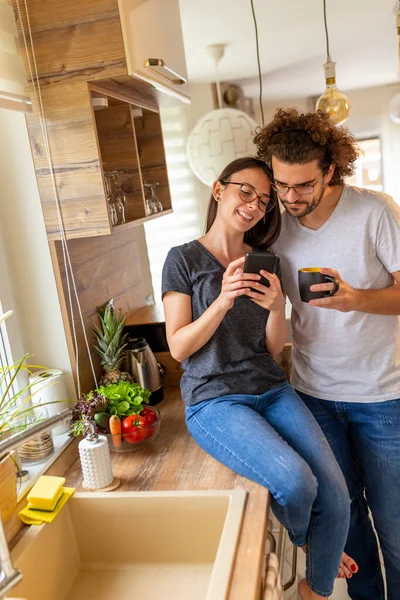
{"type": "Point", "coordinates": [110, 346]}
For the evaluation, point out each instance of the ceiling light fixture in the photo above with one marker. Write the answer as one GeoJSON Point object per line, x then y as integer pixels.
{"type": "Point", "coordinates": [332, 101]}
{"type": "Point", "coordinates": [221, 135]}
{"type": "Point", "coordinates": [394, 106]}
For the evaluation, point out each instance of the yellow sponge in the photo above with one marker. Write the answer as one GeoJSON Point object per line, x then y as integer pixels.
{"type": "Point", "coordinates": [46, 492]}
{"type": "Point", "coordinates": [31, 516]}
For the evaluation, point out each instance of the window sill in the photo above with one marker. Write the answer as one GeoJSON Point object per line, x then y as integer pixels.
{"type": "Point", "coordinates": [35, 471]}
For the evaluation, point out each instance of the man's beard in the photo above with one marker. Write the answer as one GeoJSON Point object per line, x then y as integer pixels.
{"type": "Point", "coordinates": [308, 207]}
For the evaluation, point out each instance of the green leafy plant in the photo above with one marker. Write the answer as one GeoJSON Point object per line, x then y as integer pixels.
{"type": "Point", "coordinates": [14, 405]}
{"type": "Point", "coordinates": [122, 399]}
{"type": "Point", "coordinates": [84, 411]}
{"type": "Point", "coordinates": [125, 398]}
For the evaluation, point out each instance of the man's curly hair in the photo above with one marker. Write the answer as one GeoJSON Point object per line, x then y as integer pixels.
{"type": "Point", "coordinates": [298, 138]}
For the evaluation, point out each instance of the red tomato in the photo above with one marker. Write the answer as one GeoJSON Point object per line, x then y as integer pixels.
{"type": "Point", "coordinates": [149, 415]}
{"type": "Point", "coordinates": [134, 429]}
{"type": "Point", "coordinates": [150, 431]}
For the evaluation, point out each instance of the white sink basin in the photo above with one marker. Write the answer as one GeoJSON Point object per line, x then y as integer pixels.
{"type": "Point", "coordinates": [133, 545]}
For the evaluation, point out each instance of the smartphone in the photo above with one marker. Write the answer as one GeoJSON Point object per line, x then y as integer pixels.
{"type": "Point", "coordinates": [257, 260]}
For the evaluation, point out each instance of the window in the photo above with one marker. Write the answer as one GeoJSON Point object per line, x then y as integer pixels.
{"type": "Point", "coordinates": [5, 357]}
{"type": "Point", "coordinates": [12, 78]}
{"type": "Point", "coordinates": [368, 171]}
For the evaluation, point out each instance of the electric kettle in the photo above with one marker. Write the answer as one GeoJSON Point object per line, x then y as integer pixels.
{"type": "Point", "coordinates": [141, 363]}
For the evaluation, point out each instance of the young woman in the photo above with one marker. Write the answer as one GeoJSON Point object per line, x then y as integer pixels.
{"type": "Point", "coordinates": [225, 327]}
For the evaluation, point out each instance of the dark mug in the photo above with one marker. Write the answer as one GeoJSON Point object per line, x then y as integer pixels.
{"type": "Point", "coordinates": [311, 276]}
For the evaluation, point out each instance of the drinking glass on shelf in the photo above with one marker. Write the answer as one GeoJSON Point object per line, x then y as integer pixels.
{"type": "Point", "coordinates": [110, 199]}
{"type": "Point", "coordinates": [153, 205]}
{"type": "Point", "coordinates": [115, 198]}
{"type": "Point", "coordinates": [120, 206]}
{"type": "Point", "coordinates": [158, 207]}
{"type": "Point", "coordinates": [147, 198]}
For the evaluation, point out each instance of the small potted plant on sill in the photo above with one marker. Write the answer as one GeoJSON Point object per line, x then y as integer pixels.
{"type": "Point", "coordinates": [16, 413]}
{"type": "Point", "coordinates": [14, 406]}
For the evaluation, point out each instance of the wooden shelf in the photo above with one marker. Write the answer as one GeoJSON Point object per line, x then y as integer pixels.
{"type": "Point", "coordinates": [147, 315]}
{"type": "Point", "coordinates": [136, 222]}
{"type": "Point", "coordinates": [130, 144]}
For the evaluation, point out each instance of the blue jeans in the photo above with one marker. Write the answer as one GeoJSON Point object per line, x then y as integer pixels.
{"type": "Point", "coordinates": [365, 439]}
{"type": "Point", "coordinates": [274, 440]}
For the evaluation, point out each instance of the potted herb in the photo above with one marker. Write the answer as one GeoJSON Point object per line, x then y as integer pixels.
{"type": "Point", "coordinates": [15, 406]}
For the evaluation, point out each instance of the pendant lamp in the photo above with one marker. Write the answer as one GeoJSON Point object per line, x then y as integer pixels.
{"type": "Point", "coordinates": [332, 101]}
{"type": "Point", "coordinates": [220, 136]}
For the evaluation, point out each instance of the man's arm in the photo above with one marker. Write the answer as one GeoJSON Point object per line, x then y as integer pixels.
{"type": "Point", "coordinates": [385, 301]}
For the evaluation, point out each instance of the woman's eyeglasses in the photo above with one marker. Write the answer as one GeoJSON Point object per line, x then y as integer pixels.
{"type": "Point", "coordinates": [302, 189]}
{"type": "Point", "coordinates": [248, 194]}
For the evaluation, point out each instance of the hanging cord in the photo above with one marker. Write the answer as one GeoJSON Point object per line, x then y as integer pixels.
{"type": "Point", "coordinates": [328, 54]}
{"type": "Point", "coordinates": [258, 63]}
{"type": "Point", "coordinates": [218, 86]}
{"type": "Point", "coordinates": [66, 258]}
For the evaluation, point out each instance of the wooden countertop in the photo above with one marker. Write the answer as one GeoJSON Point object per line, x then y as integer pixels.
{"type": "Point", "coordinates": [147, 315]}
{"type": "Point", "coordinates": [175, 462]}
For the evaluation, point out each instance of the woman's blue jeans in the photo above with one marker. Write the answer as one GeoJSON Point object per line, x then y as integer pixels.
{"type": "Point", "coordinates": [365, 438]}
{"type": "Point", "coordinates": [274, 440]}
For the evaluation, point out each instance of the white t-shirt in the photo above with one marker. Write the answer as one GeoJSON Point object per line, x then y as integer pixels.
{"type": "Point", "coordinates": [353, 356]}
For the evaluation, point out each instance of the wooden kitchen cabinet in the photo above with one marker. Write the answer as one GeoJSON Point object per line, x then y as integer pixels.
{"type": "Point", "coordinates": [131, 147]}
{"type": "Point", "coordinates": [80, 53]}
{"type": "Point", "coordinates": [154, 46]}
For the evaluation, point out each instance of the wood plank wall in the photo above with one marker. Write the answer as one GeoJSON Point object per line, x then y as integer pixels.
{"type": "Point", "coordinates": [104, 267]}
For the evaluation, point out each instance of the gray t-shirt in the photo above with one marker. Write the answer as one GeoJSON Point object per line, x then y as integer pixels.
{"type": "Point", "coordinates": [345, 356]}
{"type": "Point", "coordinates": [235, 360]}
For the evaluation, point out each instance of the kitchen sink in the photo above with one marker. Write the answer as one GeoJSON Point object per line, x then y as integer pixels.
{"type": "Point", "coordinates": [133, 545]}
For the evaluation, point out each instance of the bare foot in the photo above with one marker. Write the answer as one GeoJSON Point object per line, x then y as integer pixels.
{"type": "Point", "coordinates": [306, 593]}
{"type": "Point", "coordinates": [347, 568]}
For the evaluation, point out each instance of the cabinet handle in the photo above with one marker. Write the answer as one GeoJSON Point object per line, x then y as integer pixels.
{"type": "Point", "coordinates": [292, 579]}
{"type": "Point", "coordinates": [158, 66]}
{"type": "Point", "coordinates": [272, 579]}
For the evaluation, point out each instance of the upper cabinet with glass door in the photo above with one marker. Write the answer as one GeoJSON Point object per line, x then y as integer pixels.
{"type": "Point", "coordinates": [153, 43]}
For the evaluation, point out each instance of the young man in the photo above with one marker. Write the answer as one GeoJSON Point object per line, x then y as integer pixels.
{"type": "Point", "coordinates": [346, 348]}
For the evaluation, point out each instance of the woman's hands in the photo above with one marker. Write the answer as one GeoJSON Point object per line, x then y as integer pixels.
{"type": "Point", "coordinates": [236, 283]}
{"type": "Point", "coordinates": [185, 336]}
{"type": "Point", "coordinates": [271, 298]}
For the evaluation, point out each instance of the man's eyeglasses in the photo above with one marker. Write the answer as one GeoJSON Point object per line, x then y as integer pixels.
{"type": "Point", "coordinates": [248, 194]}
{"type": "Point", "coordinates": [302, 189]}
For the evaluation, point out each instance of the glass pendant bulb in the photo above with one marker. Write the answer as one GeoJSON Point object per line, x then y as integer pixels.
{"type": "Point", "coordinates": [333, 101]}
